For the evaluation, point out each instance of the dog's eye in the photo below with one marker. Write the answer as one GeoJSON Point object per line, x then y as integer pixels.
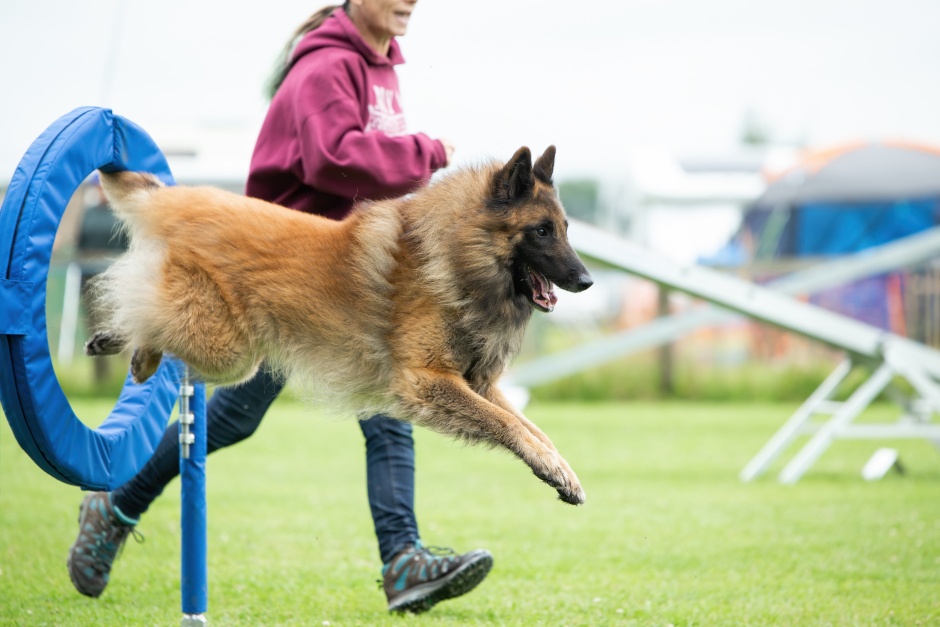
{"type": "Point", "coordinates": [542, 231]}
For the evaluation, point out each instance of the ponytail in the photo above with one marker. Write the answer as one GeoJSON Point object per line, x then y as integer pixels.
{"type": "Point", "coordinates": [283, 63]}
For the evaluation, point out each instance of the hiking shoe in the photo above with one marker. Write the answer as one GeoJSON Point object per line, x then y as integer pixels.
{"type": "Point", "coordinates": [102, 530]}
{"type": "Point", "coordinates": [420, 577]}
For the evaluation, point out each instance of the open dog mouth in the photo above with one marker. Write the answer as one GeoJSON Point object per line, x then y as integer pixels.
{"type": "Point", "coordinates": [543, 292]}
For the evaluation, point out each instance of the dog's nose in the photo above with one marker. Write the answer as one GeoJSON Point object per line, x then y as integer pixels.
{"type": "Point", "coordinates": [584, 281]}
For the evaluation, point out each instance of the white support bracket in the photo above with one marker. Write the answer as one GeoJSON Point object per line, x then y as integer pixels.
{"type": "Point", "coordinates": [817, 403]}
{"type": "Point", "coordinates": [849, 411]}
{"type": "Point", "coordinates": [194, 620]}
{"type": "Point", "coordinates": [186, 417]}
{"type": "Point", "coordinates": [913, 423]}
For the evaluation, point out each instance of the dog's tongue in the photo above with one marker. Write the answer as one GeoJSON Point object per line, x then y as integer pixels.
{"type": "Point", "coordinates": [543, 290]}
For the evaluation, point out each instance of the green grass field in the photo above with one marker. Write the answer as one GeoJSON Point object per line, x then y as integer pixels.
{"type": "Point", "coordinates": [668, 536]}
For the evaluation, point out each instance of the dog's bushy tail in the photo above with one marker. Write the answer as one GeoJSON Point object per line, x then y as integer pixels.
{"type": "Point", "coordinates": [126, 294]}
{"type": "Point", "coordinates": [127, 191]}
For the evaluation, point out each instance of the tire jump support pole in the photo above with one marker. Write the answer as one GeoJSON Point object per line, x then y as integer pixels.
{"type": "Point", "coordinates": [195, 571]}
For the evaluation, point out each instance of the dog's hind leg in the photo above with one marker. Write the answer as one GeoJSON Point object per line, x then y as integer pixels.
{"type": "Point", "coordinates": [105, 343]}
{"type": "Point", "coordinates": [144, 363]}
{"type": "Point", "coordinates": [445, 403]}
{"type": "Point", "coordinates": [202, 330]}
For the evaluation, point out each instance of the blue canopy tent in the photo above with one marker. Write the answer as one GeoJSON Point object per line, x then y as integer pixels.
{"type": "Point", "coordinates": [842, 201]}
{"type": "Point", "coordinates": [845, 200]}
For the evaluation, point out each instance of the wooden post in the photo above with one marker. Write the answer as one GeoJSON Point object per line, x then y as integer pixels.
{"type": "Point", "coordinates": [665, 351]}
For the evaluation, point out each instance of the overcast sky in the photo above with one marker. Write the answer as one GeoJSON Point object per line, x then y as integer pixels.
{"type": "Point", "coordinates": [598, 79]}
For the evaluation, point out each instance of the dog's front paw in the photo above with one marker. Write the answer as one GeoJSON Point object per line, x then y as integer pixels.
{"type": "Point", "coordinates": [548, 467]}
{"type": "Point", "coordinates": [572, 495]}
{"type": "Point", "coordinates": [553, 470]}
{"type": "Point", "coordinates": [571, 492]}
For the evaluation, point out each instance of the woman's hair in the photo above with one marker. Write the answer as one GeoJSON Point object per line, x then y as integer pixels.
{"type": "Point", "coordinates": [283, 63]}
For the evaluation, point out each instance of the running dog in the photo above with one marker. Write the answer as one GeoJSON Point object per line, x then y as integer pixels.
{"type": "Point", "coordinates": [413, 306]}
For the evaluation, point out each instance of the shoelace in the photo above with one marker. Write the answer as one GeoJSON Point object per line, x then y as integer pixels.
{"type": "Point", "coordinates": [101, 560]}
{"type": "Point", "coordinates": [436, 554]}
{"type": "Point", "coordinates": [138, 538]}
{"type": "Point", "coordinates": [439, 551]}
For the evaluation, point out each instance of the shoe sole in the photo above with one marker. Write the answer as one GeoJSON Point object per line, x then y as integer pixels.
{"type": "Point", "coordinates": [425, 596]}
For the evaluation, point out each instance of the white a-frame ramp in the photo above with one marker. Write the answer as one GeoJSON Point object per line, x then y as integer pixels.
{"type": "Point", "coordinates": [884, 354]}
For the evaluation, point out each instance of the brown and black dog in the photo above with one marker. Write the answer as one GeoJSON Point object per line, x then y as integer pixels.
{"type": "Point", "coordinates": [412, 306]}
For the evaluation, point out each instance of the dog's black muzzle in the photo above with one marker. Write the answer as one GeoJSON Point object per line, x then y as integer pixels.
{"type": "Point", "coordinates": [576, 282]}
{"type": "Point", "coordinates": [576, 279]}
{"type": "Point", "coordinates": [584, 281]}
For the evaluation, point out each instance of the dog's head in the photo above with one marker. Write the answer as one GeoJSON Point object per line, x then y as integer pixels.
{"type": "Point", "coordinates": [541, 257]}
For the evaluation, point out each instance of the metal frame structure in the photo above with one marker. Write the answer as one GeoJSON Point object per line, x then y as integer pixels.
{"type": "Point", "coordinates": [885, 354]}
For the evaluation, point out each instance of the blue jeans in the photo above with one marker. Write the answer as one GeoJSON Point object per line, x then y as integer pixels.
{"type": "Point", "coordinates": [234, 413]}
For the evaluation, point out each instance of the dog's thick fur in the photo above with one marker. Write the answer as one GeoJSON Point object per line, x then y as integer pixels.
{"type": "Point", "coordinates": [413, 306]}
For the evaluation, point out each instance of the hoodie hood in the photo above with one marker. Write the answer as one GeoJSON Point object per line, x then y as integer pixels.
{"type": "Point", "coordinates": [338, 31]}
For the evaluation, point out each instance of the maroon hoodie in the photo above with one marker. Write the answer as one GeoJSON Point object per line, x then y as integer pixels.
{"type": "Point", "coordinates": [335, 132]}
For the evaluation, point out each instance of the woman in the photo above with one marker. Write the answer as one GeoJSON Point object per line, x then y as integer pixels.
{"type": "Point", "coordinates": [334, 134]}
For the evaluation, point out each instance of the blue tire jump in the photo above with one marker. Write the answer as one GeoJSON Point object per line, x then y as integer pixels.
{"type": "Point", "coordinates": [42, 420]}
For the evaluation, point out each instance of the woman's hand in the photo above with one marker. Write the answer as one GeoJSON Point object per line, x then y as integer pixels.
{"type": "Point", "coordinates": [448, 149]}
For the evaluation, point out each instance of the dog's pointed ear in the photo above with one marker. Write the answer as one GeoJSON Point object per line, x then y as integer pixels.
{"type": "Point", "coordinates": [544, 166]}
{"type": "Point", "coordinates": [514, 180]}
